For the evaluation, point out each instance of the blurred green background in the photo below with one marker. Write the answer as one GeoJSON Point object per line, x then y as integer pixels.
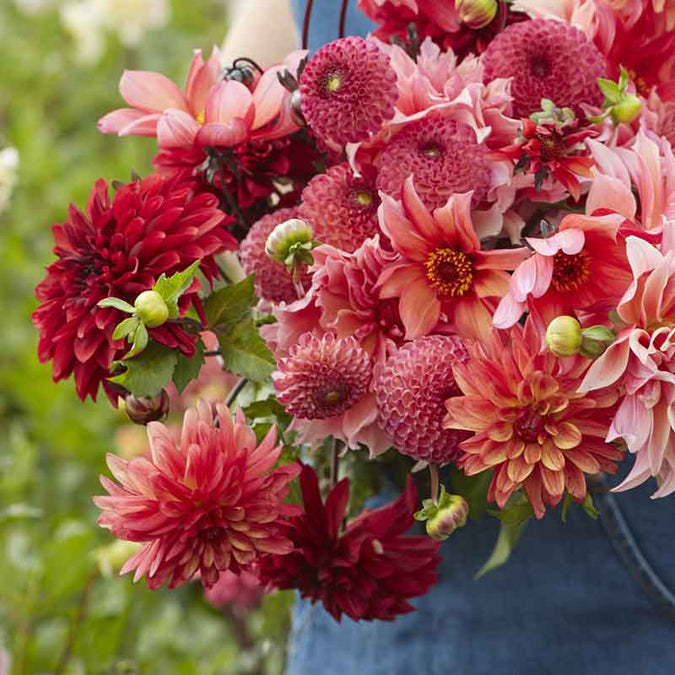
{"type": "Point", "coordinates": [59, 69]}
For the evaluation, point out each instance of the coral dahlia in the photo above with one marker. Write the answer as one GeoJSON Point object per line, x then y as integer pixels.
{"type": "Point", "coordinates": [348, 90]}
{"type": "Point", "coordinates": [119, 248]}
{"type": "Point", "coordinates": [370, 570]}
{"type": "Point", "coordinates": [532, 426]}
{"type": "Point", "coordinates": [546, 59]}
{"type": "Point", "coordinates": [411, 390]}
{"type": "Point", "coordinates": [205, 502]}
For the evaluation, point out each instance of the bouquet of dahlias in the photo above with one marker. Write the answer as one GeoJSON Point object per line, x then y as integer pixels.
{"type": "Point", "coordinates": [449, 245]}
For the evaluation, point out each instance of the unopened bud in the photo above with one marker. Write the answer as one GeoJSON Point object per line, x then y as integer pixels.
{"type": "Point", "coordinates": [450, 516]}
{"type": "Point", "coordinates": [144, 409]}
{"type": "Point", "coordinates": [563, 336]}
{"type": "Point", "coordinates": [476, 14]}
{"type": "Point", "coordinates": [296, 109]}
{"type": "Point", "coordinates": [290, 242]}
{"type": "Point", "coordinates": [627, 109]}
{"type": "Point", "coordinates": [151, 309]}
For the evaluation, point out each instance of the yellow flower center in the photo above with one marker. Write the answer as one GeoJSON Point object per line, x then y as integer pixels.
{"type": "Point", "coordinates": [570, 272]}
{"type": "Point", "coordinates": [363, 197]}
{"type": "Point", "coordinates": [449, 271]}
{"type": "Point", "coordinates": [333, 82]}
{"type": "Point", "coordinates": [200, 117]}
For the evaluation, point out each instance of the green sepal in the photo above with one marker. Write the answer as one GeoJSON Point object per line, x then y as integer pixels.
{"type": "Point", "coordinates": [230, 305]}
{"type": "Point", "coordinates": [171, 288]}
{"type": "Point", "coordinates": [117, 303]}
{"type": "Point", "coordinates": [473, 488]}
{"type": "Point", "coordinates": [509, 534]}
{"type": "Point", "coordinates": [610, 89]}
{"type": "Point", "coordinates": [125, 328]}
{"type": "Point", "coordinates": [140, 341]}
{"type": "Point", "coordinates": [600, 333]}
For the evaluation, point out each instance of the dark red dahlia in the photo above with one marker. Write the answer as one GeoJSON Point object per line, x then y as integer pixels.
{"type": "Point", "coordinates": [369, 571]}
{"type": "Point", "coordinates": [546, 59]}
{"type": "Point", "coordinates": [119, 248]}
{"type": "Point", "coordinates": [348, 90]}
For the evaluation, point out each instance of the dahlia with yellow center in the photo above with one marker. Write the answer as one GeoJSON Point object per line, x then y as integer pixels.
{"type": "Point", "coordinates": [532, 427]}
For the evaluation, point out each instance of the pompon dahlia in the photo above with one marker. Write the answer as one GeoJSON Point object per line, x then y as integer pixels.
{"type": "Point", "coordinates": [341, 207]}
{"type": "Point", "coordinates": [348, 90]}
{"type": "Point", "coordinates": [205, 502]}
{"type": "Point", "coordinates": [369, 571]}
{"type": "Point", "coordinates": [532, 426]}
{"type": "Point", "coordinates": [273, 281]}
{"type": "Point", "coordinates": [546, 59]}
{"type": "Point", "coordinates": [119, 248]}
{"type": "Point", "coordinates": [411, 389]}
{"type": "Point", "coordinates": [442, 155]}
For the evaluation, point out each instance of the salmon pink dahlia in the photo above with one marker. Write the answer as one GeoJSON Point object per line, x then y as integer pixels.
{"type": "Point", "coordinates": [207, 501]}
{"type": "Point", "coordinates": [348, 90]}
{"type": "Point", "coordinates": [442, 275]}
{"type": "Point", "coordinates": [368, 571]}
{"type": "Point", "coordinates": [119, 248]}
{"type": "Point", "coordinates": [532, 426]}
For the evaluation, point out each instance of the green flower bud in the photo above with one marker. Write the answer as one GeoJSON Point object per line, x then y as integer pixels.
{"type": "Point", "coordinates": [290, 242]}
{"type": "Point", "coordinates": [595, 340]}
{"type": "Point", "coordinates": [627, 109]}
{"type": "Point", "coordinates": [476, 14]}
{"type": "Point", "coordinates": [563, 336]}
{"type": "Point", "coordinates": [151, 309]}
{"type": "Point", "coordinates": [450, 515]}
{"type": "Point", "coordinates": [146, 409]}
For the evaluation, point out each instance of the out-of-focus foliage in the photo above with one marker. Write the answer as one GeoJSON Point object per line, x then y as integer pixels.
{"type": "Point", "coordinates": [57, 612]}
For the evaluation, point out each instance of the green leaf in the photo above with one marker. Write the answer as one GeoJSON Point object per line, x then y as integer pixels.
{"type": "Point", "coordinates": [124, 328]}
{"type": "Point", "coordinates": [149, 372]}
{"type": "Point", "coordinates": [173, 287]}
{"type": "Point", "coordinates": [610, 89]}
{"type": "Point", "coordinates": [117, 304]}
{"type": "Point", "coordinates": [566, 505]}
{"type": "Point", "coordinates": [509, 534]}
{"type": "Point", "coordinates": [230, 305]}
{"type": "Point", "coordinates": [245, 353]}
{"type": "Point", "coordinates": [188, 369]}
{"type": "Point", "coordinates": [267, 408]}
{"type": "Point", "coordinates": [516, 513]}
{"type": "Point", "coordinates": [588, 506]}
{"type": "Point", "coordinates": [140, 342]}
{"type": "Point", "coordinates": [473, 488]}
{"type": "Point", "coordinates": [599, 332]}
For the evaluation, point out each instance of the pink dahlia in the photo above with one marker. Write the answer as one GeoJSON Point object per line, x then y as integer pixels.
{"type": "Point", "coordinates": [273, 281]}
{"type": "Point", "coordinates": [119, 248]}
{"type": "Point", "coordinates": [368, 571]}
{"type": "Point", "coordinates": [533, 428]}
{"type": "Point", "coordinates": [411, 391]}
{"type": "Point", "coordinates": [341, 207]}
{"type": "Point", "coordinates": [348, 90]}
{"type": "Point", "coordinates": [442, 275]}
{"type": "Point", "coordinates": [546, 59]}
{"type": "Point", "coordinates": [206, 502]}
{"type": "Point", "coordinates": [581, 267]}
{"type": "Point", "coordinates": [242, 591]}
{"type": "Point", "coordinates": [442, 155]}
{"type": "Point", "coordinates": [642, 361]}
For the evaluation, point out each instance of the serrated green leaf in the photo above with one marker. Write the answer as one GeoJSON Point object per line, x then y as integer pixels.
{"type": "Point", "coordinates": [230, 305]}
{"type": "Point", "coordinates": [188, 369]}
{"type": "Point", "coordinates": [509, 534]}
{"type": "Point", "coordinates": [268, 408]}
{"type": "Point", "coordinates": [473, 488]}
{"type": "Point", "coordinates": [518, 512]}
{"type": "Point", "coordinates": [117, 303]}
{"type": "Point", "coordinates": [124, 328]}
{"type": "Point", "coordinates": [173, 287]}
{"type": "Point", "coordinates": [245, 352]}
{"type": "Point", "coordinates": [149, 372]}
{"type": "Point", "coordinates": [610, 89]}
{"type": "Point", "coordinates": [140, 342]}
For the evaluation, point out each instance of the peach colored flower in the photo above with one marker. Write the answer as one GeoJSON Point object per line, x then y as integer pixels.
{"type": "Point", "coordinates": [442, 277]}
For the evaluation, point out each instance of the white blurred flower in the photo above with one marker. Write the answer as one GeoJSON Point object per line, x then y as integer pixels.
{"type": "Point", "coordinates": [82, 21]}
{"type": "Point", "coordinates": [33, 7]}
{"type": "Point", "coordinates": [9, 163]}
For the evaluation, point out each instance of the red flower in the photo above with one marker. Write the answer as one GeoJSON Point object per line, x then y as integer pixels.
{"type": "Point", "coordinates": [119, 249]}
{"type": "Point", "coordinates": [367, 572]}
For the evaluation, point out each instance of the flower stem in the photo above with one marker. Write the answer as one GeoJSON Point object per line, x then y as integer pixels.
{"type": "Point", "coordinates": [305, 23]}
{"type": "Point", "coordinates": [235, 391]}
{"type": "Point", "coordinates": [435, 482]}
{"type": "Point", "coordinates": [343, 18]}
{"type": "Point", "coordinates": [335, 462]}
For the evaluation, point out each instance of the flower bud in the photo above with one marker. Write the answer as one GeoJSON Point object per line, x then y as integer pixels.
{"type": "Point", "coordinates": [296, 109]}
{"type": "Point", "coordinates": [563, 336]}
{"type": "Point", "coordinates": [627, 109]}
{"type": "Point", "coordinates": [146, 409]}
{"type": "Point", "coordinates": [451, 514]}
{"type": "Point", "coordinates": [595, 340]}
{"type": "Point", "coordinates": [289, 240]}
{"type": "Point", "coordinates": [476, 14]}
{"type": "Point", "coordinates": [151, 309]}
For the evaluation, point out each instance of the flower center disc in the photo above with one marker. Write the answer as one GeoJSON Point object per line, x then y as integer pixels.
{"type": "Point", "coordinates": [362, 197]}
{"type": "Point", "coordinates": [528, 426]}
{"type": "Point", "coordinates": [570, 272]}
{"type": "Point", "coordinates": [449, 271]}
{"type": "Point", "coordinates": [333, 82]}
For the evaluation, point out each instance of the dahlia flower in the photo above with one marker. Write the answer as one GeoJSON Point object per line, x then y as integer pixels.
{"type": "Point", "coordinates": [642, 361]}
{"type": "Point", "coordinates": [212, 112]}
{"type": "Point", "coordinates": [411, 389]}
{"type": "Point", "coordinates": [348, 90]}
{"type": "Point", "coordinates": [582, 266]}
{"type": "Point", "coordinates": [119, 248]}
{"type": "Point", "coordinates": [442, 275]}
{"type": "Point", "coordinates": [368, 571]}
{"type": "Point", "coordinates": [546, 59]}
{"type": "Point", "coordinates": [242, 591]}
{"type": "Point", "coordinates": [207, 501]}
{"type": "Point", "coordinates": [532, 426]}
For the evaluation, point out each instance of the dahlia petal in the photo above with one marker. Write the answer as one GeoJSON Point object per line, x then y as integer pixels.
{"type": "Point", "coordinates": [472, 318]}
{"type": "Point", "coordinates": [151, 92]}
{"type": "Point", "coordinates": [229, 100]}
{"type": "Point", "coordinates": [640, 473]}
{"type": "Point", "coordinates": [584, 460]}
{"type": "Point", "coordinates": [568, 436]}
{"type": "Point", "coordinates": [454, 221]}
{"type": "Point", "coordinates": [508, 312]}
{"type": "Point", "coordinates": [419, 214]}
{"type": "Point", "coordinates": [215, 134]}
{"type": "Point", "coordinates": [553, 481]}
{"type": "Point", "coordinates": [176, 129]}
{"type": "Point", "coordinates": [401, 231]}
{"type": "Point", "coordinates": [491, 283]}
{"type": "Point", "coordinates": [642, 256]}
{"type": "Point", "coordinates": [397, 277]}
{"type": "Point", "coordinates": [608, 190]}
{"type": "Point", "coordinates": [506, 259]}
{"type": "Point", "coordinates": [420, 309]}
{"type": "Point", "coordinates": [551, 457]}
{"type": "Point", "coordinates": [118, 120]}
{"type": "Point", "coordinates": [268, 97]}
{"type": "Point", "coordinates": [607, 369]}
{"type": "Point", "coordinates": [570, 242]}
{"type": "Point", "coordinates": [201, 77]}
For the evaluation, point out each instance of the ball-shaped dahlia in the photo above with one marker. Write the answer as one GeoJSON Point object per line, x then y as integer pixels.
{"type": "Point", "coordinates": [348, 90]}
{"type": "Point", "coordinates": [323, 376]}
{"type": "Point", "coordinates": [207, 500]}
{"type": "Point", "coordinates": [546, 59]}
{"type": "Point", "coordinates": [273, 281]}
{"type": "Point", "coordinates": [119, 247]}
{"type": "Point", "coordinates": [443, 157]}
{"type": "Point", "coordinates": [411, 390]}
{"type": "Point", "coordinates": [341, 207]}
